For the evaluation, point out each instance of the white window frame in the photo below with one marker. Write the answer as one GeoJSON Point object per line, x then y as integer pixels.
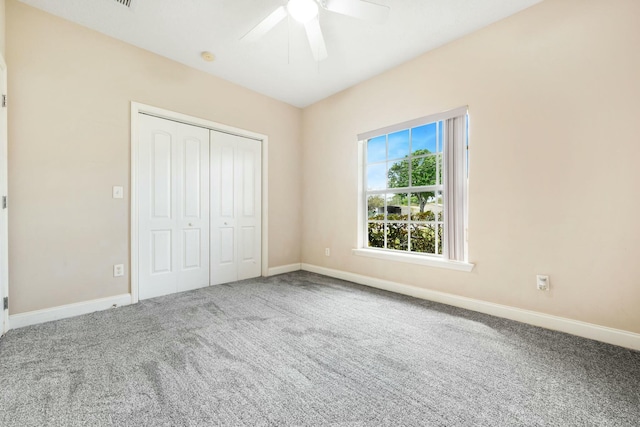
{"type": "Point", "coordinates": [459, 157]}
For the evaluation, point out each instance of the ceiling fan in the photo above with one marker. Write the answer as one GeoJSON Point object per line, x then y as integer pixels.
{"type": "Point", "coordinates": [306, 12]}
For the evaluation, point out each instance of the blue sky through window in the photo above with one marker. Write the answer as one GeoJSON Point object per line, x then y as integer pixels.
{"type": "Point", "coordinates": [422, 137]}
{"type": "Point", "coordinates": [399, 144]}
{"type": "Point", "coordinates": [377, 176]}
{"type": "Point", "coordinates": [377, 149]}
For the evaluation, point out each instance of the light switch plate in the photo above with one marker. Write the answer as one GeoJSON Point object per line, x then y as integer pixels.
{"type": "Point", "coordinates": [118, 192]}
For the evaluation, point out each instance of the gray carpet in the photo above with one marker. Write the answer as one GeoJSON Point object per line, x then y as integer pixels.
{"type": "Point", "coordinates": [303, 349]}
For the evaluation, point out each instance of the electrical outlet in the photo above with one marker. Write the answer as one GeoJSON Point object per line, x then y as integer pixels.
{"type": "Point", "coordinates": [118, 192]}
{"type": "Point", "coordinates": [118, 270]}
{"type": "Point", "coordinates": [542, 282]}
{"type": "Point", "coordinates": [327, 252]}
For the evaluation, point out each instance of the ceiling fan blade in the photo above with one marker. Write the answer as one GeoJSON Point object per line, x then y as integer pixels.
{"type": "Point", "coordinates": [266, 25]}
{"type": "Point", "coordinates": [358, 9]}
{"type": "Point", "coordinates": [316, 40]}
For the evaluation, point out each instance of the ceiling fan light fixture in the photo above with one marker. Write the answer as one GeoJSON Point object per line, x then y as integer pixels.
{"type": "Point", "coordinates": [302, 11]}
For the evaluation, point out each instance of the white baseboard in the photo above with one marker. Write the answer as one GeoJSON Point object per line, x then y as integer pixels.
{"type": "Point", "coordinates": [284, 269]}
{"type": "Point", "coordinates": [69, 310]}
{"type": "Point", "coordinates": [575, 327]}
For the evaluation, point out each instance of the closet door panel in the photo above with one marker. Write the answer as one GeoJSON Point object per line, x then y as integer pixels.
{"type": "Point", "coordinates": [156, 196]}
{"type": "Point", "coordinates": [223, 209]}
{"type": "Point", "coordinates": [193, 217]}
{"type": "Point", "coordinates": [235, 208]}
{"type": "Point", "coordinates": [173, 207]}
{"type": "Point", "coordinates": [248, 158]}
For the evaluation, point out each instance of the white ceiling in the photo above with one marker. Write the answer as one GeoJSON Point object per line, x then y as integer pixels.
{"type": "Point", "coordinates": [280, 65]}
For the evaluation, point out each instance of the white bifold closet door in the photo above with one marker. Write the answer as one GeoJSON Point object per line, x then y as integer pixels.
{"type": "Point", "coordinates": [173, 207]}
{"type": "Point", "coordinates": [236, 171]}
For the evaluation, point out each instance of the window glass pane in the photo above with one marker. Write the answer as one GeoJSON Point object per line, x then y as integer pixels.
{"type": "Point", "coordinates": [397, 207]}
{"type": "Point", "coordinates": [424, 203]}
{"type": "Point", "coordinates": [440, 136]}
{"type": "Point", "coordinates": [398, 236]}
{"type": "Point", "coordinates": [440, 234]}
{"type": "Point", "coordinates": [375, 234]}
{"type": "Point", "coordinates": [423, 237]}
{"type": "Point", "coordinates": [423, 171]}
{"type": "Point", "coordinates": [423, 139]}
{"type": "Point", "coordinates": [377, 149]}
{"type": "Point", "coordinates": [375, 207]}
{"type": "Point", "coordinates": [399, 144]}
{"type": "Point", "coordinates": [439, 157]}
{"type": "Point", "coordinates": [376, 177]}
{"type": "Point", "coordinates": [398, 174]}
{"type": "Point", "coordinates": [438, 206]}
{"type": "Point", "coordinates": [413, 206]}
{"type": "Point", "coordinates": [420, 211]}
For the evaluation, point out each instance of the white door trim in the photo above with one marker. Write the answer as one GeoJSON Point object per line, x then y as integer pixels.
{"type": "Point", "coordinates": [4, 224]}
{"type": "Point", "coordinates": [137, 108]}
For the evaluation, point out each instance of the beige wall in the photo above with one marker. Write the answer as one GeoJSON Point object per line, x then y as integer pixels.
{"type": "Point", "coordinates": [69, 144]}
{"type": "Point", "coordinates": [554, 101]}
{"type": "Point", "coordinates": [2, 27]}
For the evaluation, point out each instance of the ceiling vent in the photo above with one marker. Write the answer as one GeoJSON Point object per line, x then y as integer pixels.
{"type": "Point", "coordinates": [127, 3]}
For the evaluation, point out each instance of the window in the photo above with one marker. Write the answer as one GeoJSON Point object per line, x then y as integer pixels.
{"type": "Point", "coordinates": [414, 187]}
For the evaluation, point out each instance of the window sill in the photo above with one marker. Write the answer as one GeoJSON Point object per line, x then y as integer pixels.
{"type": "Point", "coordinates": [415, 259]}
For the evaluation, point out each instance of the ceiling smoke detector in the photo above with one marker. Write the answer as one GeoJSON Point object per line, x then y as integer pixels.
{"type": "Point", "coordinates": [208, 56]}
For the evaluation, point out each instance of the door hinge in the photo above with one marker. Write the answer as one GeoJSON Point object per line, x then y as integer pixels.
{"type": "Point", "coordinates": [4, 202]}
{"type": "Point", "coordinates": [5, 303]}
{"type": "Point", "coordinates": [4, 100]}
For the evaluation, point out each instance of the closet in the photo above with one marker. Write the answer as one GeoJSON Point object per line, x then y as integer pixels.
{"type": "Point", "coordinates": [199, 207]}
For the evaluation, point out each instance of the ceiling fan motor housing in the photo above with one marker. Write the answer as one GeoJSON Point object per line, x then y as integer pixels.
{"type": "Point", "coordinates": [302, 11]}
